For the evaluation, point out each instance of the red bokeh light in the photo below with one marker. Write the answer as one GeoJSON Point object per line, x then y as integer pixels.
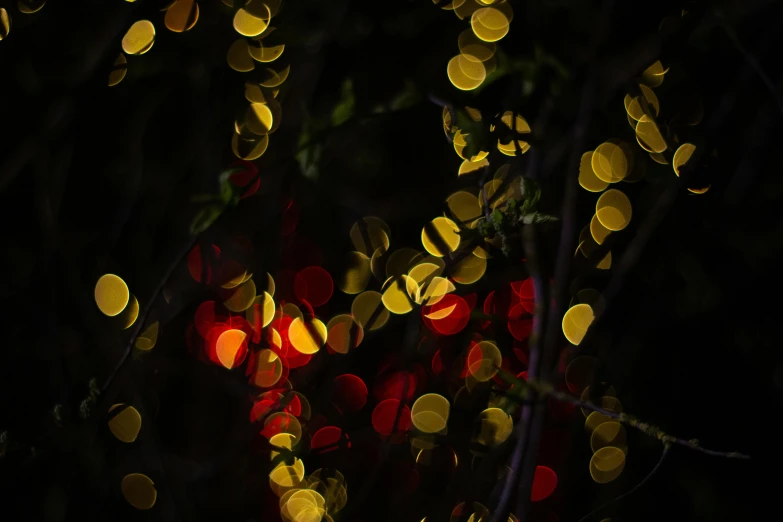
{"type": "Point", "coordinates": [393, 385]}
{"type": "Point", "coordinates": [244, 177]}
{"type": "Point", "coordinates": [385, 413]}
{"type": "Point", "coordinates": [330, 438]}
{"type": "Point", "coordinates": [544, 483]}
{"type": "Point", "coordinates": [453, 323]}
{"type": "Point", "coordinates": [196, 266]}
{"type": "Point", "coordinates": [314, 285]}
{"type": "Point", "coordinates": [350, 392]}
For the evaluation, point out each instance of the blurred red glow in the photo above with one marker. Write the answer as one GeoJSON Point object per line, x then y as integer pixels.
{"type": "Point", "coordinates": [294, 407]}
{"type": "Point", "coordinates": [205, 318]}
{"type": "Point", "coordinates": [261, 409]}
{"type": "Point", "coordinates": [453, 323]}
{"type": "Point", "coordinates": [385, 413]}
{"type": "Point", "coordinates": [243, 177]}
{"type": "Point", "coordinates": [544, 483]}
{"type": "Point", "coordinates": [520, 322]}
{"type": "Point", "coordinates": [393, 385]}
{"type": "Point", "coordinates": [313, 284]}
{"type": "Point", "coordinates": [278, 424]}
{"type": "Point", "coordinates": [329, 437]}
{"type": "Point", "coordinates": [297, 360]}
{"type": "Point", "coordinates": [195, 264]}
{"type": "Point", "coordinates": [350, 392]}
{"type": "Point", "coordinates": [252, 189]}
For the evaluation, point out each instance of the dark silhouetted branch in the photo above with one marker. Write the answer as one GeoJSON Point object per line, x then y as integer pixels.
{"type": "Point", "coordinates": [547, 390]}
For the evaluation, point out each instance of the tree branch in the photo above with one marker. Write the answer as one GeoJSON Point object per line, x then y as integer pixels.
{"type": "Point", "coordinates": [547, 390]}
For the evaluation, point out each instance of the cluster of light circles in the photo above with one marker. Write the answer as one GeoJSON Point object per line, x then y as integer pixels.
{"type": "Point", "coordinates": [114, 300]}
{"type": "Point", "coordinates": [179, 16]}
{"type": "Point", "coordinates": [643, 107]}
{"type": "Point", "coordinates": [511, 142]}
{"type": "Point", "coordinates": [125, 423]}
{"type": "Point", "coordinates": [252, 21]}
{"type": "Point", "coordinates": [489, 23]}
{"type": "Point", "coordinates": [25, 7]}
{"type": "Point", "coordinates": [274, 337]}
{"type": "Point", "coordinates": [323, 493]}
{"type": "Point", "coordinates": [608, 439]}
{"type": "Point", "coordinates": [408, 278]}
{"type": "Point", "coordinates": [611, 162]}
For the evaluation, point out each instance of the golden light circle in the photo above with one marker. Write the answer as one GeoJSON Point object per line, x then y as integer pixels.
{"type": "Point", "coordinates": [343, 333]}
{"type": "Point", "coordinates": [609, 434]}
{"type": "Point", "coordinates": [464, 206]}
{"type": "Point", "coordinates": [252, 19]}
{"type": "Point", "coordinates": [368, 310]}
{"type": "Point", "coordinates": [266, 54]}
{"type": "Point", "coordinates": [249, 148]}
{"type": "Point", "coordinates": [430, 293]}
{"type": "Point", "coordinates": [490, 24]}
{"type": "Point", "coordinates": [598, 231]}
{"type": "Point", "coordinates": [430, 413]}
{"type": "Point", "coordinates": [119, 70]}
{"type": "Point", "coordinates": [259, 118]}
{"type": "Point", "coordinates": [126, 424]}
{"type": "Point", "coordinates": [576, 321]}
{"type": "Point", "coordinates": [682, 155]}
{"type": "Point", "coordinates": [357, 273]}
{"type": "Point", "coordinates": [440, 237]}
{"type": "Point", "coordinates": [496, 426]}
{"type": "Point", "coordinates": [181, 16]}
{"type": "Point", "coordinates": [242, 297]}
{"type": "Point", "coordinates": [5, 23]}
{"type": "Point", "coordinates": [395, 295]}
{"type": "Point", "coordinates": [469, 269]}
{"type": "Point", "coordinates": [484, 359]}
{"type": "Point", "coordinates": [587, 177]}
{"type": "Point", "coordinates": [228, 345]}
{"type": "Point", "coordinates": [464, 73]}
{"type": "Point", "coordinates": [139, 38]}
{"type": "Point", "coordinates": [649, 136]}
{"type": "Point", "coordinates": [111, 294]}
{"type": "Point", "coordinates": [139, 490]}
{"type": "Point", "coordinates": [473, 48]}
{"type": "Point", "coordinates": [238, 56]}
{"type": "Point", "coordinates": [307, 338]}
{"type": "Point", "coordinates": [609, 163]}
{"type": "Point", "coordinates": [268, 369]}
{"type": "Point", "coordinates": [613, 210]}
{"type": "Point", "coordinates": [130, 313]}
{"type": "Point", "coordinates": [607, 464]}
{"type": "Point", "coordinates": [401, 261]}
{"type": "Point", "coordinates": [369, 234]}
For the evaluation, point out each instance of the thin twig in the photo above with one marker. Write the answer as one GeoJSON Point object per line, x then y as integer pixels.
{"type": "Point", "coordinates": [547, 390]}
{"type": "Point", "coordinates": [664, 453]}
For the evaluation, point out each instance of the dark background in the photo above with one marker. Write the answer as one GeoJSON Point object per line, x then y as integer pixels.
{"type": "Point", "coordinates": [96, 179]}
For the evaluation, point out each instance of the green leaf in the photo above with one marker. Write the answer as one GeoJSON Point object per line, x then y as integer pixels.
{"type": "Point", "coordinates": [344, 109]}
{"type": "Point", "coordinates": [205, 217]}
{"type": "Point", "coordinates": [531, 194]}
